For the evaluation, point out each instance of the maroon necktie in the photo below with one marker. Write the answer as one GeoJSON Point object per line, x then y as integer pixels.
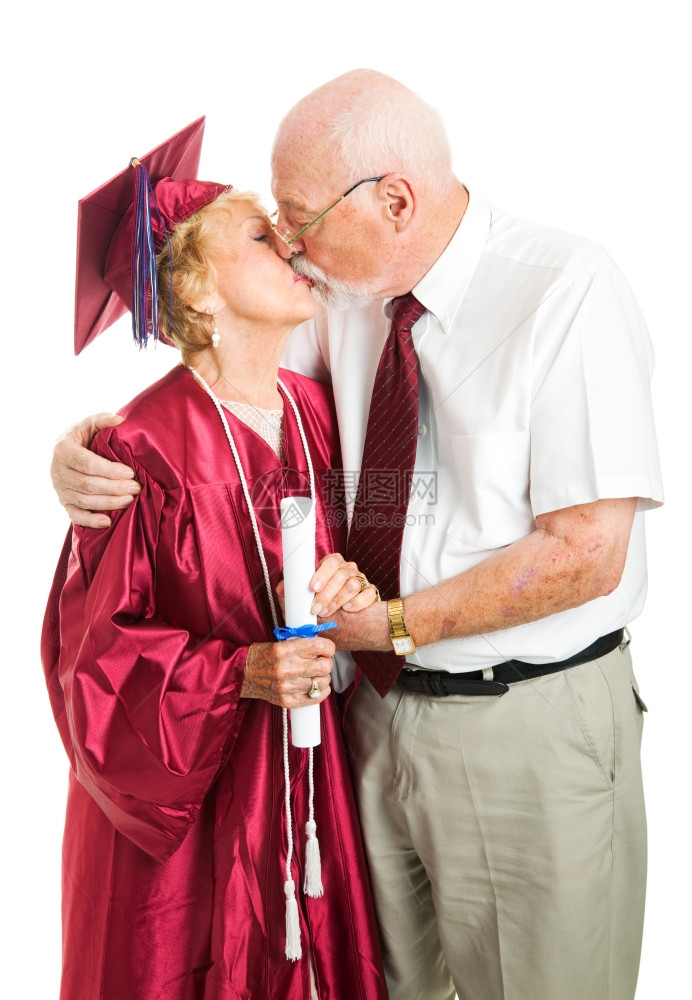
{"type": "Point", "coordinates": [384, 488]}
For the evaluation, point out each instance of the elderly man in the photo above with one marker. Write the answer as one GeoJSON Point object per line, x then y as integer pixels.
{"type": "Point", "coordinates": [499, 452]}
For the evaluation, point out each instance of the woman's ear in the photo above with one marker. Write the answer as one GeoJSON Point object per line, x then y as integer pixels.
{"type": "Point", "coordinates": [202, 306]}
{"type": "Point", "coordinates": [399, 198]}
{"type": "Point", "coordinates": [209, 303]}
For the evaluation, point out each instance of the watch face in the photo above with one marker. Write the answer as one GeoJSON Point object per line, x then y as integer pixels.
{"type": "Point", "coordinates": [403, 645]}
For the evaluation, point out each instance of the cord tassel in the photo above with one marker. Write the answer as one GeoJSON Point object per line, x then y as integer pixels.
{"type": "Point", "coordinates": [293, 948]}
{"type": "Point", "coordinates": [312, 885]}
{"type": "Point", "coordinates": [313, 862]}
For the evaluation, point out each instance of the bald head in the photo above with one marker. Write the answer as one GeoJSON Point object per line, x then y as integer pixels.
{"type": "Point", "coordinates": [365, 123]}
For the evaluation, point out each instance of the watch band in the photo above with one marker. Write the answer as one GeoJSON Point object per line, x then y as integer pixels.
{"type": "Point", "coordinates": [402, 640]}
{"type": "Point", "coordinates": [395, 613]}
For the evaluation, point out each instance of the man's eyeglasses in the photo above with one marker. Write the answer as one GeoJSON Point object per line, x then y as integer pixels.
{"type": "Point", "coordinates": [286, 237]}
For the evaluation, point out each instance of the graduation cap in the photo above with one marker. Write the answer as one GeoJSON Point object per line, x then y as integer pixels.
{"type": "Point", "coordinates": [121, 226]}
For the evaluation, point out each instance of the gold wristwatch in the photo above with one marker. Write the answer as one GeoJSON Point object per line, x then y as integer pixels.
{"type": "Point", "coordinates": [402, 640]}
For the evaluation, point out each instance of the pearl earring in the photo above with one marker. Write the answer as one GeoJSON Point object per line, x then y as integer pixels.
{"type": "Point", "coordinates": [215, 336]}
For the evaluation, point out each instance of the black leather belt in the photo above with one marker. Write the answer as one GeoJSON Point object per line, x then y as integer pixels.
{"type": "Point", "coordinates": [440, 683]}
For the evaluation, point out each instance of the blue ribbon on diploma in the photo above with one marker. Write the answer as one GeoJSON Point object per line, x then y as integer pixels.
{"type": "Point", "coordinates": [302, 631]}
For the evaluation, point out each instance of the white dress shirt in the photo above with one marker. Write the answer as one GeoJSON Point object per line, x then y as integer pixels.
{"type": "Point", "coordinates": [535, 368]}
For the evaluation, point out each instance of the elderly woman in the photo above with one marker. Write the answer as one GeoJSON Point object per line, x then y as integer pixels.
{"type": "Point", "coordinates": [182, 840]}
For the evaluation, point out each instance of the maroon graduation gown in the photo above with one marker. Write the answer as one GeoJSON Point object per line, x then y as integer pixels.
{"type": "Point", "coordinates": [175, 837]}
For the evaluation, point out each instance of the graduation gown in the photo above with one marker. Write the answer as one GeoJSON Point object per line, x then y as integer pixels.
{"type": "Point", "coordinates": [175, 837]}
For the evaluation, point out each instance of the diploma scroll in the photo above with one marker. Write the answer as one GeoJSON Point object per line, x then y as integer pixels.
{"type": "Point", "coordinates": [298, 547]}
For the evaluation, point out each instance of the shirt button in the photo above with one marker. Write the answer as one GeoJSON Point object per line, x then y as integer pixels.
{"type": "Point", "coordinates": [422, 430]}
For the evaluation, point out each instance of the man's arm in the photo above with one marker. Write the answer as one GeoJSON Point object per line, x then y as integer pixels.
{"type": "Point", "coordinates": [85, 482]}
{"type": "Point", "coordinates": [573, 556]}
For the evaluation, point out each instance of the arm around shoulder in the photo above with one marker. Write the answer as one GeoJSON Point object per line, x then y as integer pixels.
{"type": "Point", "coordinates": [86, 482]}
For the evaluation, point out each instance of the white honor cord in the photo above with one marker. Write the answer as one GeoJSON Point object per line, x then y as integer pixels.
{"type": "Point", "coordinates": [301, 431]}
{"type": "Point", "coordinates": [293, 948]}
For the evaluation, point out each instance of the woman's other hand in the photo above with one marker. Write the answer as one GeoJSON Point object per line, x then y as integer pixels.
{"type": "Point", "coordinates": [283, 672]}
{"type": "Point", "coordinates": [85, 482]}
{"type": "Point", "coordinates": [339, 584]}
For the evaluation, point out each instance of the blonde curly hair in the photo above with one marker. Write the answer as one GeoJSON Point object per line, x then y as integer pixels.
{"type": "Point", "coordinates": [188, 266]}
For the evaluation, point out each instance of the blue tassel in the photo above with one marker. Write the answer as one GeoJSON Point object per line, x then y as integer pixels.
{"type": "Point", "coordinates": [145, 317]}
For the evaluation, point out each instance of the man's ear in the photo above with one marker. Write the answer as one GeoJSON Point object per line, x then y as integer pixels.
{"type": "Point", "coordinates": [399, 198]}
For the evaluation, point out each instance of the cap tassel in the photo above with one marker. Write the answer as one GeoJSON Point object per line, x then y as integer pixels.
{"type": "Point", "coordinates": [145, 319]}
{"type": "Point", "coordinates": [313, 862]}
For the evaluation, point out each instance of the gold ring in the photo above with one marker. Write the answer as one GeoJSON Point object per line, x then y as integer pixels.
{"type": "Point", "coordinates": [314, 691]}
{"type": "Point", "coordinates": [364, 584]}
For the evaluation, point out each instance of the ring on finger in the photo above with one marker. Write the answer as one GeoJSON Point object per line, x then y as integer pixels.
{"type": "Point", "coordinates": [314, 691]}
{"type": "Point", "coordinates": [364, 584]}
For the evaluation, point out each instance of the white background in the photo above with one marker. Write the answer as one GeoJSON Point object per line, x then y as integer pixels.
{"type": "Point", "coordinates": [572, 114]}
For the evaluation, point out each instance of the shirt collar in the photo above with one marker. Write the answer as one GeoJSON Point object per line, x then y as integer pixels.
{"type": "Point", "coordinates": [442, 289]}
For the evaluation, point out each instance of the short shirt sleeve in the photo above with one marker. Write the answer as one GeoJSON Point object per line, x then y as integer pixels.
{"type": "Point", "coordinates": [592, 428]}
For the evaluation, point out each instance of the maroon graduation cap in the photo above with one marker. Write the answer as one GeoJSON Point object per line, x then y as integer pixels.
{"type": "Point", "coordinates": [135, 209]}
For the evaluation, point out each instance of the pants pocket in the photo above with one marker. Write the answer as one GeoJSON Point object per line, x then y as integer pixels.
{"type": "Point", "coordinates": [593, 705]}
{"type": "Point", "coordinates": [638, 698]}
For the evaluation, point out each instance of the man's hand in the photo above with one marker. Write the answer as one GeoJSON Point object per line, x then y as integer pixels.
{"type": "Point", "coordinates": [85, 482]}
{"type": "Point", "coordinates": [368, 629]}
{"type": "Point", "coordinates": [339, 584]}
{"type": "Point", "coordinates": [282, 672]}
{"type": "Point", "coordinates": [336, 584]}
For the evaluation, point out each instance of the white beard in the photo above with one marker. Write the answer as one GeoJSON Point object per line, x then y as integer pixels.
{"type": "Point", "coordinates": [331, 292]}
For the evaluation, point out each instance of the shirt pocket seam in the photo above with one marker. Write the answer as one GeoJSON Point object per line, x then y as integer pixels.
{"type": "Point", "coordinates": [493, 469]}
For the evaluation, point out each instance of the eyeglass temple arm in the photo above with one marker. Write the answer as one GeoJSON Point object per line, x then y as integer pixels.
{"type": "Point", "coordinates": [366, 180]}
{"type": "Point", "coordinates": [296, 236]}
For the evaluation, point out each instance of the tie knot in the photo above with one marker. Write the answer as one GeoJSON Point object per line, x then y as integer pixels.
{"type": "Point", "coordinates": [406, 309]}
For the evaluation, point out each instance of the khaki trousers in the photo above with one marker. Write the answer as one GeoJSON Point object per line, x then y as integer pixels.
{"type": "Point", "coordinates": [506, 836]}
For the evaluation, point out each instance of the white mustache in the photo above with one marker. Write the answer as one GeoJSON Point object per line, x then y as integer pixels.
{"type": "Point", "coordinates": [332, 292]}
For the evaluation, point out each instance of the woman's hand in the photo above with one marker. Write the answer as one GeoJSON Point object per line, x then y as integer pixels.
{"type": "Point", "coordinates": [283, 672]}
{"type": "Point", "coordinates": [85, 482]}
{"type": "Point", "coordinates": [339, 584]}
